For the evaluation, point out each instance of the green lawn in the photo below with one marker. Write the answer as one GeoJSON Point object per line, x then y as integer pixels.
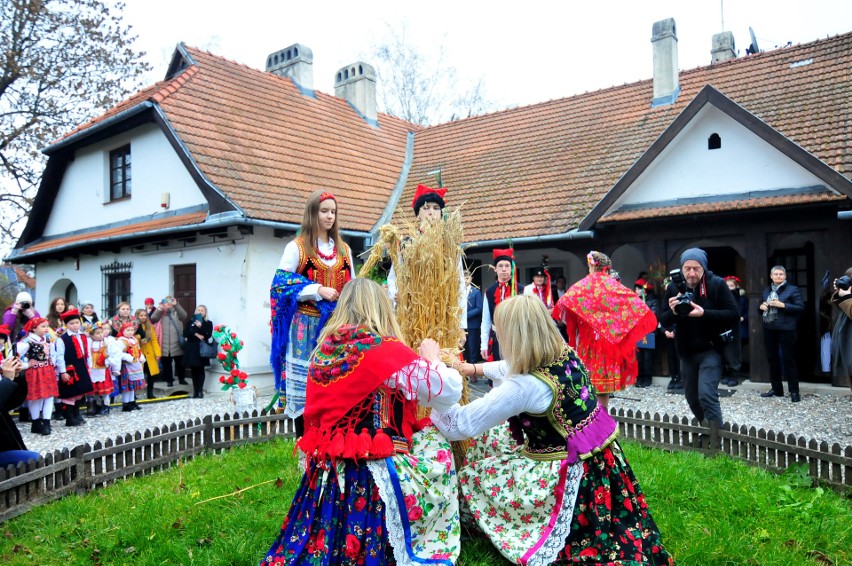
{"type": "Point", "coordinates": [710, 511]}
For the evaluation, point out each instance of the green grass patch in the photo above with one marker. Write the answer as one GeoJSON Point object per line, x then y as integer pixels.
{"type": "Point", "coordinates": [710, 511]}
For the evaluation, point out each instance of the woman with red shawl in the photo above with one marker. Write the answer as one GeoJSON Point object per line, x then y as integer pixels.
{"type": "Point", "coordinates": [604, 321]}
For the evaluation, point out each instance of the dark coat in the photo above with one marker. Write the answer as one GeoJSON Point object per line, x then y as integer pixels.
{"type": "Point", "coordinates": [12, 394]}
{"type": "Point", "coordinates": [191, 350]}
{"type": "Point", "coordinates": [699, 334]}
{"type": "Point", "coordinates": [474, 308]}
{"type": "Point", "coordinates": [788, 317]}
{"type": "Point", "coordinates": [841, 337]}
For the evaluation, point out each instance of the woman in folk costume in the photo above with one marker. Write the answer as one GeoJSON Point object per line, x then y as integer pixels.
{"type": "Point", "coordinates": [314, 268]}
{"type": "Point", "coordinates": [37, 356]}
{"type": "Point", "coordinates": [125, 361]}
{"type": "Point", "coordinates": [505, 287]}
{"type": "Point", "coordinates": [379, 486]}
{"type": "Point", "coordinates": [552, 485]}
{"type": "Point", "coordinates": [604, 321]}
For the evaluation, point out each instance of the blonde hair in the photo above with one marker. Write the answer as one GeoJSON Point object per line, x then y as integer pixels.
{"type": "Point", "coordinates": [363, 302]}
{"type": "Point", "coordinates": [149, 327]}
{"type": "Point", "coordinates": [528, 337]}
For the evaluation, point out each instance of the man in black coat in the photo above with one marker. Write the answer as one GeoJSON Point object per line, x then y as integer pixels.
{"type": "Point", "coordinates": [13, 392]}
{"type": "Point", "coordinates": [699, 323]}
{"type": "Point", "coordinates": [781, 307]}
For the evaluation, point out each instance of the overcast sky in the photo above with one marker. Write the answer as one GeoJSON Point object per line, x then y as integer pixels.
{"type": "Point", "coordinates": [525, 52]}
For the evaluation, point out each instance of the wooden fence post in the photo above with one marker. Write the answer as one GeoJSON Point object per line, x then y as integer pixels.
{"type": "Point", "coordinates": [207, 435]}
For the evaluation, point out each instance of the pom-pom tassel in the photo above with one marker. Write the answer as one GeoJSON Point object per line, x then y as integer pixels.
{"type": "Point", "coordinates": [364, 444]}
{"type": "Point", "coordinates": [338, 445]}
{"type": "Point", "coordinates": [351, 444]}
{"type": "Point", "coordinates": [382, 445]}
{"type": "Point", "coordinates": [308, 442]}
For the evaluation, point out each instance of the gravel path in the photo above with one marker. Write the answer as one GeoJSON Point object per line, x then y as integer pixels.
{"type": "Point", "coordinates": [821, 417]}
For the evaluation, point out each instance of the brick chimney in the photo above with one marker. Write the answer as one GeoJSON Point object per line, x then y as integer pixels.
{"type": "Point", "coordinates": [723, 47]}
{"type": "Point", "coordinates": [357, 84]}
{"type": "Point", "coordinates": [666, 82]}
{"type": "Point", "coordinates": [295, 62]}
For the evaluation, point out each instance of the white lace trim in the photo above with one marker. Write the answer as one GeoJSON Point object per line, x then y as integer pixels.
{"type": "Point", "coordinates": [495, 371]}
{"type": "Point", "coordinates": [393, 520]}
{"type": "Point", "coordinates": [555, 542]}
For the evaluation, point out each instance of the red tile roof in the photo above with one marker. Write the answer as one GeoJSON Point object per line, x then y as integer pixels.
{"type": "Point", "coordinates": [126, 231]}
{"type": "Point", "coordinates": [721, 206]}
{"type": "Point", "coordinates": [540, 169]}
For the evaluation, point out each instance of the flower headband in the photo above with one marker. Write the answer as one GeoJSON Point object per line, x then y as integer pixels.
{"type": "Point", "coordinates": [591, 259]}
{"type": "Point", "coordinates": [327, 195]}
{"type": "Point", "coordinates": [734, 278]}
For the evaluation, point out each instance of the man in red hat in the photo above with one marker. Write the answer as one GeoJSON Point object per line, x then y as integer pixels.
{"type": "Point", "coordinates": [505, 287]}
{"type": "Point", "coordinates": [72, 366]}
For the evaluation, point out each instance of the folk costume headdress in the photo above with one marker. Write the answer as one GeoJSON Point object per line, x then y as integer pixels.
{"type": "Point", "coordinates": [425, 194]}
{"type": "Point", "coordinates": [125, 326]}
{"type": "Point", "coordinates": [33, 322]}
{"type": "Point", "coordinates": [70, 314]}
{"type": "Point", "coordinates": [4, 331]}
{"type": "Point", "coordinates": [735, 279]}
{"type": "Point", "coordinates": [546, 293]}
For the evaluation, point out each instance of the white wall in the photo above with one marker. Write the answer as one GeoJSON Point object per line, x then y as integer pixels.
{"type": "Point", "coordinates": [231, 280]}
{"type": "Point", "coordinates": [744, 163]}
{"type": "Point", "coordinates": [155, 169]}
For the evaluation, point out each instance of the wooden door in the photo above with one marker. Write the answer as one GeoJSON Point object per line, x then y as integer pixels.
{"type": "Point", "coordinates": [184, 287]}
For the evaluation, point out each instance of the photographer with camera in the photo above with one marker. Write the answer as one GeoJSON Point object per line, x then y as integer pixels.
{"type": "Point", "coordinates": [841, 336]}
{"type": "Point", "coordinates": [781, 307]}
{"type": "Point", "coordinates": [701, 308]}
{"type": "Point", "coordinates": [18, 314]}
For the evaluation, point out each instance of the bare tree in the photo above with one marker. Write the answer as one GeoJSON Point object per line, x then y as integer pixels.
{"type": "Point", "coordinates": [63, 61]}
{"type": "Point", "coordinates": [420, 86]}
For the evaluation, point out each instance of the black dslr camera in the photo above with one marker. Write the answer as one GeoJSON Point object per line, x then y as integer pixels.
{"type": "Point", "coordinates": [25, 306]}
{"type": "Point", "coordinates": [843, 282]}
{"type": "Point", "coordinates": [683, 306]}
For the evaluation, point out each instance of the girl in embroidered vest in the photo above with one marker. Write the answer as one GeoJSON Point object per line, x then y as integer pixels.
{"type": "Point", "coordinates": [313, 270]}
{"type": "Point", "coordinates": [125, 361]}
{"type": "Point", "coordinates": [547, 482]}
{"type": "Point", "coordinates": [37, 357]}
{"type": "Point", "coordinates": [379, 487]}
{"type": "Point", "coordinates": [102, 384]}
{"type": "Point", "coordinates": [604, 321]}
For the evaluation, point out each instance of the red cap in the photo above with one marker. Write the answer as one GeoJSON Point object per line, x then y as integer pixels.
{"type": "Point", "coordinates": [4, 330]}
{"type": "Point", "coordinates": [500, 255]}
{"type": "Point", "coordinates": [149, 301]}
{"type": "Point", "coordinates": [423, 190]}
{"type": "Point", "coordinates": [33, 322]}
{"type": "Point", "coordinates": [125, 326]}
{"type": "Point", "coordinates": [70, 314]}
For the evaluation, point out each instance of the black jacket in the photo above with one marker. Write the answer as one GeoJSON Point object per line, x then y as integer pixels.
{"type": "Point", "coordinates": [788, 317]}
{"type": "Point", "coordinates": [699, 334]}
{"type": "Point", "coordinates": [192, 349]}
{"type": "Point", "coordinates": [12, 394]}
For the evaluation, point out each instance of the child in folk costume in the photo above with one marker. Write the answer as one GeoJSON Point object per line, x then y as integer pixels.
{"type": "Point", "coordinates": [147, 336]}
{"type": "Point", "coordinates": [313, 270]}
{"type": "Point", "coordinates": [37, 357]}
{"type": "Point", "coordinates": [604, 321]}
{"type": "Point", "coordinates": [505, 287]}
{"type": "Point", "coordinates": [72, 366]}
{"type": "Point", "coordinates": [125, 361]}
{"type": "Point", "coordinates": [547, 482]}
{"type": "Point", "coordinates": [102, 384]}
{"type": "Point", "coordinates": [5, 345]}
{"type": "Point", "coordinates": [379, 486]}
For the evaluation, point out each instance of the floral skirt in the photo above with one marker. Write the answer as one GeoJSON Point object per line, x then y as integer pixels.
{"type": "Point", "coordinates": [132, 377]}
{"type": "Point", "coordinates": [596, 515]}
{"type": "Point", "coordinates": [102, 383]}
{"type": "Point", "coordinates": [303, 334]}
{"type": "Point", "coordinates": [41, 382]}
{"type": "Point", "coordinates": [400, 510]}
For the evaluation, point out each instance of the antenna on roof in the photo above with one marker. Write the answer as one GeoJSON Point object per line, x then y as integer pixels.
{"type": "Point", "coordinates": [752, 48]}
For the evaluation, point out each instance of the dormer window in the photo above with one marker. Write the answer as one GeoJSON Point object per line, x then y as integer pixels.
{"type": "Point", "coordinates": [714, 141]}
{"type": "Point", "coordinates": [119, 173]}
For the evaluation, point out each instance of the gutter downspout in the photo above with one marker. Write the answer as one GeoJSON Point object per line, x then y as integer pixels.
{"type": "Point", "coordinates": [570, 235]}
{"type": "Point", "coordinates": [396, 194]}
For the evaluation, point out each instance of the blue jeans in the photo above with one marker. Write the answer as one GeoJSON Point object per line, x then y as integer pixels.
{"type": "Point", "coordinates": [15, 457]}
{"type": "Point", "coordinates": [701, 373]}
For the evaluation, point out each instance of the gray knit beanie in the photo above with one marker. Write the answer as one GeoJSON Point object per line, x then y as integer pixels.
{"type": "Point", "coordinates": [695, 254]}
